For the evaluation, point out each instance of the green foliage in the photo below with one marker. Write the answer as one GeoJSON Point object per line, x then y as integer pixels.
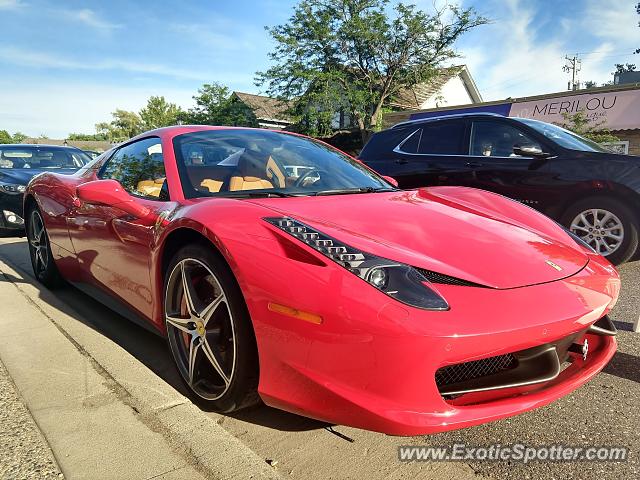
{"type": "Point", "coordinates": [17, 137]}
{"type": "Point", "coordinates": [352, 55]}
{"type": "Point", "coordinates": [123, 126]}
{"type": "Point", "coordinates": [5, 137]}
{"type": "Point", "coordinates": [159, 113]}
{"type": "Point", "coordinates": [216, 105]}
{"type": "Point", "coordinates": [100, 137]}
{"type": "Point", "coordinates": [623, 68]}
{"type": "Point", "coordinates": [584, 126]}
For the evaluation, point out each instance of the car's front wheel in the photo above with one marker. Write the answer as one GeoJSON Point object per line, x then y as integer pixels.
{"type": "Point", "coordinates": [42, 262]}
{"type": "Point", "coordinates": [606, 224]}
{"type": "Point", "coordinates": [209, 330]}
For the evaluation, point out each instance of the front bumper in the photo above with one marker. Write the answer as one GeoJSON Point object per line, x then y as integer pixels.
{"type": "Point", "coordinates": [372, 362]}
{"type": "Point", "coordinates": [11, 211]}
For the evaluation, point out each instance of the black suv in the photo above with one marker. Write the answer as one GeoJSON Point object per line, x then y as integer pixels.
{"type": "Point", "coordinates": [585, 187]}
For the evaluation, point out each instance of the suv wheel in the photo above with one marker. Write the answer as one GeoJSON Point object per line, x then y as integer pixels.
{"type": "Point", "coordinates": [606, 224]}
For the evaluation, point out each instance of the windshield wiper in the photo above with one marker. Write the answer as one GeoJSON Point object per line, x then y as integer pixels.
{"type": "Point", "coordinates": [347, 191]}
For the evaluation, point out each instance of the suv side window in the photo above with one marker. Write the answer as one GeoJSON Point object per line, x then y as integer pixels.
{"type": "Point", "coordinates": [139, 167]}
{"type": "Point", "coordinates": [497, 139]}
{"type": "Point", "coordinates": [443, 138]}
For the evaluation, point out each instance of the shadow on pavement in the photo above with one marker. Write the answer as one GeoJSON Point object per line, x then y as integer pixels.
{"type": "Point", "coordinates": [149, 348]}
{"type": "Point", "coordinates": [624, 366]}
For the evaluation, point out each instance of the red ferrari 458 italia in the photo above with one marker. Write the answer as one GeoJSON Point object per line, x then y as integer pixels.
{"type": "Point", "coordinates": [282, 270]}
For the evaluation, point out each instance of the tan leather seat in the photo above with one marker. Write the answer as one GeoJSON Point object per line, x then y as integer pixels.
{"type": "Point", "coordinates": [212, 185]}
{"type": "Point", "coordinates": [275, 173]}
{"type": "Point", "coordinates": [253, 173]}
{"type": "Point", "coordinates": [150, 188]}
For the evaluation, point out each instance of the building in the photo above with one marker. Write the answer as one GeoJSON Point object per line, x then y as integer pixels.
{"type": "Point", "coordinates": [269, 112]}
{"type": "Point", "coordinates": [449, 87]}
{"type": "Point", "coordinates": [92, 145]}
{"type": "Point", "coordinates": [622, 78]}
{"type": "Point", "coordinates": [616, 108]}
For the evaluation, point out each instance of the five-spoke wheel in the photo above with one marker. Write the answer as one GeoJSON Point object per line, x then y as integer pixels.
{"type": "Point", "coordinates": [44, 267]}
{"type": "Point", "coordinates": [209, 331]}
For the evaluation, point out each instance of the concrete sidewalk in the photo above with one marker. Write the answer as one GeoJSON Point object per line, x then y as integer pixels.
{"type": "Point", "coordinates": [24, 453]}
{"type": "Point", "coordinates": [104, 414]}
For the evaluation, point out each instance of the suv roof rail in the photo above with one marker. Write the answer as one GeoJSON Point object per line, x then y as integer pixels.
{"type": "Point", "coordinates": [445, 117]}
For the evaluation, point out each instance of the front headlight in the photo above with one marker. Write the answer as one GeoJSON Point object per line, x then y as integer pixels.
{"type": "Point", "coordinates": [397, 280]}
{"type": "Point", "coordinates": [12, 188]}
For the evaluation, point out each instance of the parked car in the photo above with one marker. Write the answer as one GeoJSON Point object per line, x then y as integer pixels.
{"type": "Point", "coordinates": [92, 153]}
{"type": "Point", "coordinates": [587, 188]}
{"type": "Point", "coordinates": [324, 290]}
{"type": "Point", "coordinates": [18, 164]}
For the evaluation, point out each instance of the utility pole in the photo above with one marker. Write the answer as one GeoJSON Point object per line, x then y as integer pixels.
{"type": "Point", "coordinates": [573, 65]}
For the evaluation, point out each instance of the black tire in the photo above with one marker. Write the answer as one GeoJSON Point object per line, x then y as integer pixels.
{"type": "Point", "coordinates": [242, 389]}
{"type": "Point", "coordinates": [629, 244]}
{"type": "Point", "coordinates": [42, 262]}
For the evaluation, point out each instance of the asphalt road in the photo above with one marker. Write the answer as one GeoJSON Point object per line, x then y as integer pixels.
{"type": "Point", "coordinates": [606, 411]}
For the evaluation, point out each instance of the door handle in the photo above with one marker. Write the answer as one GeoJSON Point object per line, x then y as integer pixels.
{"type": "Point", "coordinates": [402, 161]}
{"type": "Point", "coordinates": [473, 164]}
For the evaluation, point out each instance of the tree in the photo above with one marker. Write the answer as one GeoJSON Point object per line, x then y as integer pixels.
{"type": "Point", "coordinates": [353, 56]}
{"type": "Point", "coordinates": [624, 68]}
{"type": "Point", "coordinates": [582, 125]}
{"type": "Point", "coordinates": [18, 137]}
{"type": "Point", "coordinates": [101, 137]}
{"type": "Point", "coordinates": [5, 137]}
{"type": "Point", "coordinates": [123, 126]}
{"type": "Point", "coordinates": [216, 105]}
{"type": "Point", "coordinates": [159, 113]}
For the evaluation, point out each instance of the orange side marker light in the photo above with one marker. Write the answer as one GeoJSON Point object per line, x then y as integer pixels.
{"type": "Point", "coordinates": [295, 313]}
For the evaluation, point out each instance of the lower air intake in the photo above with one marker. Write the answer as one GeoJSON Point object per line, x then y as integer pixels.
{"type": "Point", "coordinates": [463, 372]}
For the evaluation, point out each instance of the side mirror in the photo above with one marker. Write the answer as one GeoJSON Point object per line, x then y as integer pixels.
{"type": "Point", "coordinates": [391, 180]}
{"type": "Point", "coordinates": [529, 151]}
{"type": "Point", "coordinates": [111, 194]}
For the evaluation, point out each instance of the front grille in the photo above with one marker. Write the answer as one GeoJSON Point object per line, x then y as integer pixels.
{"type": "Point", "coordinates": [471, 370]}
{"type": "Point", "coordinates": [441, 278]}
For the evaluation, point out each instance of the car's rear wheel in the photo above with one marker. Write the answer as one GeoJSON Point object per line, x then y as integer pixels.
{"type": "Point", "coordinates": [209, 330]}
{"type": "Point", "coordinates": [606, 224]}
{"type": "Point", "coordinates": [42, 262]}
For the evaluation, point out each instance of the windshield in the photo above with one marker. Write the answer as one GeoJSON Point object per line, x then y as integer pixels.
{"type": "Point", "coordinates": [564, 137]}
{"type": "Point", "coordinates": [238, 162]}
{"type": "Point", "coordinates": [25, 157]}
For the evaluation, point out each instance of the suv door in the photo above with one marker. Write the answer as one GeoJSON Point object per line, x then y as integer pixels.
{"type": "Point", "coordinates": [430, 154]}
{"type": "Point", "coordinates": [494, 166]}
{"type": "Point", "coordinates": [112, 247]}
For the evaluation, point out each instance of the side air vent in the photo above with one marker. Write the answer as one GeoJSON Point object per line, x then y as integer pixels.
{"type": "Point", "coordinates": [440, 278]}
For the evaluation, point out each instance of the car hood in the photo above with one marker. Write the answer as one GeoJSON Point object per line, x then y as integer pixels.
{"type": "Point", "coordinates": [22, 176]}
{"type": "Point", "coordinates": [445, 234]}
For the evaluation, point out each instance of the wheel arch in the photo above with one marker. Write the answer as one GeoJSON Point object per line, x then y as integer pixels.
{"type": "Point", "coordinates": [169, 245]}
{"type": "Point", "coordinates": [616, 192]}
{"type": "Point", "coordinates": [29, 201]}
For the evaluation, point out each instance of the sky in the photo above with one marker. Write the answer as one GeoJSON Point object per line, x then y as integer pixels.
{"type": "Point", "coordinates": [65, 65]}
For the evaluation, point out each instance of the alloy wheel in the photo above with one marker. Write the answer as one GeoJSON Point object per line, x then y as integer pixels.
{"type": "Point", "coordinates": [37, 237]}
{"type": "Point", "coordinates": [200, 328]}
{"type": "Point", "coordinates": [600, 228]}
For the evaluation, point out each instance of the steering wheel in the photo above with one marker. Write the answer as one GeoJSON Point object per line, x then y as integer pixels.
{"type": "Point", "coordinates": [300, 181]}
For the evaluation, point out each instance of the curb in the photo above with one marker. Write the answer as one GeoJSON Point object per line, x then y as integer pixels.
{"type": "Point", "coordinates": [195, 437]}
